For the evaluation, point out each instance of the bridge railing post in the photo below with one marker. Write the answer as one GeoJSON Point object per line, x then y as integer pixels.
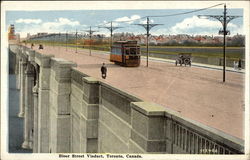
{"type": "Point", "coordinates": [59, 111]}
{"type": "Point", "coordinates": [44, 65]}
{"type": "Point", "coordinates": [148, 131]}
{"type": "Point", "coordinates": [89, 114]}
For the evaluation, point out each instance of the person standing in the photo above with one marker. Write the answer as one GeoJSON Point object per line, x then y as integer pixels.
{"type": "Point", "coordinates": [239, 64]}
{"type": "Point", "coordinates": [104, 71]}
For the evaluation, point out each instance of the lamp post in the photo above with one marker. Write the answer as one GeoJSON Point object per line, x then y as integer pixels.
{"type": "Point", "coordinates": [224, 19]}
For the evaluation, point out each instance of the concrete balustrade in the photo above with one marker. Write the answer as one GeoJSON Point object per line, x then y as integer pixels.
{"type": "Point", "coordinates": [74, 113]}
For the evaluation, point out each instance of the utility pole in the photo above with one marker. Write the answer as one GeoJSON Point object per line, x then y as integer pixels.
{"type": "Point", "coordinates": [54, 39]}
{"type": "Point", "coordinates": [59, 40]}
{"type": "Point", "coordinates": [111, 29]}
{"type": "Point", "coordinates": [66, 40]}
{"type": "Point", "coordinates": [76, 42]}
{"type": "Point", "coordinates": [224, 19]}
{"type": "Point", "coordinates": [90, 38]}
{"type": "Point", "coordinates": [148, 27]}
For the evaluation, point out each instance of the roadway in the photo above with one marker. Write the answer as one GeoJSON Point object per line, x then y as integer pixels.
{"type": "Point", "coordinates": [195, 92]}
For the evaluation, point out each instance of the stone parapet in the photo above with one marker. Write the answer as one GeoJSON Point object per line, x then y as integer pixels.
{"type": "Point", "coordinates": [43, 60]}
{"type": "Point", "coordinates": [148, 129]}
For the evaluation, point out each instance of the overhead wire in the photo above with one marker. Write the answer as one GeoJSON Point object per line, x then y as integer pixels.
{"type": "Point", "coordinates": [168, 15]}
{"type": "Point", "coordinates": [197, 10]}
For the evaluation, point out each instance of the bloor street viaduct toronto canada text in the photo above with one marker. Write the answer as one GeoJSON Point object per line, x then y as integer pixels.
{"type": "Point", "coordinates": [128, 82]}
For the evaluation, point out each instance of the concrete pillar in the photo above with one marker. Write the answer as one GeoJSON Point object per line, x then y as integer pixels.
{"type": "Point", "coordinates": [22, 87]}
{"type": "Point", "coordinates": [43, 101]}
{"type": "Point", "coordinates": [35, 98]}
{"type": "Point", "coordinates": [89, 116]}
{"type": "Point", "coordinates": [17, 71]}
{"type": "Point", "coordinates": [60, 126]}
{"type": "Point", "coordinates": [148, 131]}
{"type": "Point", "coordinates": [19, 75]}
{"type": "Point", "coordinates": [28, 123]}
{"type": "Point", "coordinates": [43, 110]}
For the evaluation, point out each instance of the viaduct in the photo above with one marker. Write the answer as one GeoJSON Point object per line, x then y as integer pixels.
{"type": "Point", "coordinates": [66, 111]}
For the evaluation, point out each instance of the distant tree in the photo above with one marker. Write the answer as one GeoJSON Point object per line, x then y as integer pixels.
{"type": "Point", "coordinates": [237, 41]}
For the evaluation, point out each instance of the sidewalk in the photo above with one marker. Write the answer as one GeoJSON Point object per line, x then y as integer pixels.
{"type": "Point", "coordinates": [194, 64]}
{"type": "Point", "coordinates": [230, 69]}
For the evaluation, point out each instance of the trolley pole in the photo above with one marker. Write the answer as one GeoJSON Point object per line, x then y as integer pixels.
{"type": "Point", "coordinates": [111, 29]}
{"type": "Point", "coordinates": [224, 19]}
{"type": "Point", "coordinates": [148, 27]}
{"type": "Point", "coordinates": [90, 39]}
{"type": "Point", "coordinates": [111, 35]}
{"type": "Point", "coordinates": [59, 39]}
{"type": "Point", "coordinates": [76, 42]}
{"type": "Point", "coordinates": [54, 39]}
{"type": "Point", "coordinates": [224, 42]}
{"type": "Point", "coordinates": [147, 39]}
{"type": "Point", "coordinates": [90, 31]}
{"type": "Point", "coordinates": [66, 40]}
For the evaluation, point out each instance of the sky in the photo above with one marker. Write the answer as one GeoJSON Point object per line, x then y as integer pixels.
{"type": "Point", "coordinates": [69, 20]}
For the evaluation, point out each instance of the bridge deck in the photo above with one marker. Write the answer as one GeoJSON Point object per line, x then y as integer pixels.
{"type": "Point", "coordinates": [197, 93]}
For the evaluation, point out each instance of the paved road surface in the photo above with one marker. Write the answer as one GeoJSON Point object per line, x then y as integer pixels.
{"type": "Point", "coordinates": [197, 93]}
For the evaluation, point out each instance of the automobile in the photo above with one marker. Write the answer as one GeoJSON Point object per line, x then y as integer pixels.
{"type": "Point", "coordinates": [183, 58]}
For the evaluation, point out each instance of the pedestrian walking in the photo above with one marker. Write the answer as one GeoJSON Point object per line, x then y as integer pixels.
{"type": "Point", "coordinates": [104, 71]}
{"type": "Point", "coordinates": [239, 64]}
{"type": "Point", "coordinates": [32, 45]}
{"type": "Point", "coordinates": [236, 65]}
{"type": "Point", "coordinates": [40, 46]}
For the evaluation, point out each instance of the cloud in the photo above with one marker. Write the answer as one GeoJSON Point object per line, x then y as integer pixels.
{"type": "Point", "coordinates": [117, 21]}
{"type": "Point", "coordinates": [58, 25]}
{"type": "Point", "coordinates": [195, 25]}
{"type": "Point", "coordinates": [128, 20]}
{"type": "Point", "coordinates": [29, 21]}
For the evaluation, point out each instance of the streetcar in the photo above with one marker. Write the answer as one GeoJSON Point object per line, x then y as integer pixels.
{"type": "Point", "coordinates": [125, 53]}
